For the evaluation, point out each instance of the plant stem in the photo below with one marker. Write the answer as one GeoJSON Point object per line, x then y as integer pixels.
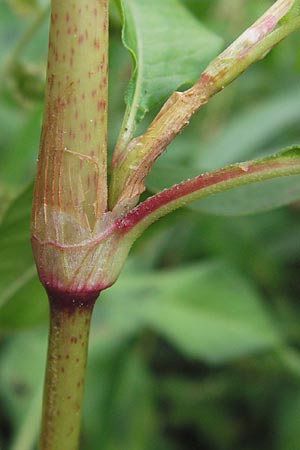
{"type": "Point", "coordinates": [65, 373]}
{"type": "Point", "coordinates": [70, 195]}
{"type": "Point", "coordinates": [144, 214]}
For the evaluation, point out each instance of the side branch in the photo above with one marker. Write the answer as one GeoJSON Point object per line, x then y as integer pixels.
{"type": "Point", "coordinates": [130, 169]}
{"type": "Point", "coordinates": [138, 219]}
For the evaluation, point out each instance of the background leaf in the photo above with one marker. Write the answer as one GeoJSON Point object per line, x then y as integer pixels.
{"type": "Point", "coordinates": [22, 298]}
{"type": "Point", "coordinates": [204, 318]}
{"type": "Point", "coordinates": [248, 134]}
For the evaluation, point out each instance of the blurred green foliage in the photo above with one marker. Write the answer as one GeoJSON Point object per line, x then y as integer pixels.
{"type": "Point", "coordinates": [197, 344]}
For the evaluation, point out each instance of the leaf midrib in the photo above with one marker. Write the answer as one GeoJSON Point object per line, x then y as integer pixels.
{"type": "Point", "coordinates": [133, 108]}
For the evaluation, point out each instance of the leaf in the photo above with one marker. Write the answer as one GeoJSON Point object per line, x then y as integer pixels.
{"type": "Point", "coordinates": [24, 7]}
{"type": "Point", "coordinates": [286, 423]}
{"type": "Point", "coordinates": [22, 298]}
{"type": "Point", "coordinates": [169, 48]}
{"type": "Point", "coordinates": [242, 200]}
{"type": "Point", "coordinates": [27, 433]}
{"type": "Point", "coordinates": [21, 375]}
{"type": "Point", "coordinates": [248, 133]}
{"type": "Point", "coordinates": [121, 402]}
{"type": "Point", "coordinates": [18, 163]}
{"type": "Point", "coordinates": [208, 311]}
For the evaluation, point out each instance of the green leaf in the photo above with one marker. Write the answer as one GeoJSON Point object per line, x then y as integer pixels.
{"type": "Point", "coordinates": [24, 7]}
{"type": "Point", "coordinates": [19, 159]}
{"type": "Point", "coordinates": [21, 375]}
{"type": "Point", "coordinates": [207, 311]}
{"type": "Point", "coordinates": [121, 402]}
{"type": "Point", "coordinates": [169, 48]}
{"type": "Point", "coordinates": [286, 421]}
{"type": "Point", "coordinates": [22, 298]}
{"type": "Point", "coordinates": [247, 134]}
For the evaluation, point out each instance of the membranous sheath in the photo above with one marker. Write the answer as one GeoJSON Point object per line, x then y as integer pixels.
{"type": "Point", "coordinates": [70, 197]}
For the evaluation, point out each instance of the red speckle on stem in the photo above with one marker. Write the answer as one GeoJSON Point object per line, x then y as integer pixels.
{"type": "Point", "coordinates": [96, 43]}
{"type": "Point", "coordinates": [101, 104]}
{"type": "Point", "coordinates": [95, 179]}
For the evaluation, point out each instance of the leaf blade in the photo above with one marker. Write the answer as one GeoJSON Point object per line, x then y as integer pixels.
{"type": "Point", "coordinates": [22, 298]}
{"type": "Point", "coordinates": [162, 63]}
{"type": "Point", "coordinates": [207, 310]}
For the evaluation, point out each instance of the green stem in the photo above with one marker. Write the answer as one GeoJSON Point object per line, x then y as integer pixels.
{"type": "Point", "coordinates": [133, 223]}
{"type": "Point", "coordinates": [65, 373]}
